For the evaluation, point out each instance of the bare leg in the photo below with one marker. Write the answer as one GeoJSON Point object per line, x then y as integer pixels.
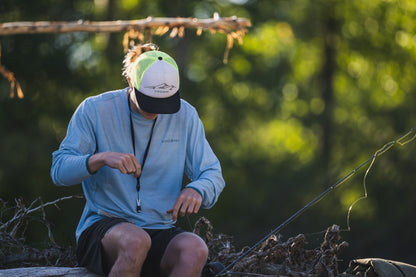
{"type": "Point", "coordinates": [125, 248]}
{"type": "Point", "coordinates": [185, 256]}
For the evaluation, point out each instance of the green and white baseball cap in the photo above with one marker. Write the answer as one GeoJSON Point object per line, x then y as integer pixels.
{"type": "Point", "coordinates": [156, 83]}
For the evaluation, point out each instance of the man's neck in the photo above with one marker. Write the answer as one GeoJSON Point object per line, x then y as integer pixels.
{"type": "Point", "coordinates": [133, 102]}
{"type": "Point", "coordinates": [135, 106]}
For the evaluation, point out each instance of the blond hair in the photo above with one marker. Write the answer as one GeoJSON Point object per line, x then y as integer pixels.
{"type": "Point", "coordinates": [128, 63]}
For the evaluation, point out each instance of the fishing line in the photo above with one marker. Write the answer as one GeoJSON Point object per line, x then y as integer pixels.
{"type": "Point", "coordinates": [379, 152]}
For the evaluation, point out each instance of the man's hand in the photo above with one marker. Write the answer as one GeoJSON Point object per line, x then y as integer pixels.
{"type": "Point", "coordinates": [126, 163]}
{"type": "Point", "coordinates": [188, 202]}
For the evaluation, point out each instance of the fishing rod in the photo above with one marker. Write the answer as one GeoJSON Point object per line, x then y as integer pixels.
{"type": "Point", "coordinates": [319, 197]}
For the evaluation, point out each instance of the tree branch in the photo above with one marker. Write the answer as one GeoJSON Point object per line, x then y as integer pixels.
{"type": "Point", "coordinates": [226, 24]}
{"type": "Point", "coordinates": [233, 27]}
{"type": "Point", "coordinates": [22, 211]}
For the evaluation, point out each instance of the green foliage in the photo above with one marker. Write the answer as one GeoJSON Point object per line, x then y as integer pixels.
{"type": "Point", "coordinates": [316, 88]}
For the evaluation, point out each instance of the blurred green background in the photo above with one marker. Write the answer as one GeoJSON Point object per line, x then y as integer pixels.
{"type": "Point", "coordinates": [316, 88]}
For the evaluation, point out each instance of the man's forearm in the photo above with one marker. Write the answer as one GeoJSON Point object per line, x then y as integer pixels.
{"type": "Point", "coordinates": [95, 162]}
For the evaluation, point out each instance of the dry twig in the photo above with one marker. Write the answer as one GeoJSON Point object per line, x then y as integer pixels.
{"type": "Point", "coordinates": [278, 258]}
{"type": "Point", "coordinates": [22, 212]}
{"type": "Point", "coordinates": [13, 250]}
{"type": "Point", "coordinates": [14, 84]}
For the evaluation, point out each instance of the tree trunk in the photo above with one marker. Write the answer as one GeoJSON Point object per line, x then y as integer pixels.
{"type": "Point", "coordinates": [327, 79]}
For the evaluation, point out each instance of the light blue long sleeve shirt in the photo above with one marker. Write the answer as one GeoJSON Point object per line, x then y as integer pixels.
{"type": "Point", "coordinates": [102, 123]}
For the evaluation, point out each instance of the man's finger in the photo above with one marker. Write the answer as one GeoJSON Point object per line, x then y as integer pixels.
{"type": "Point", "coordinates": [191, 207]}
{"type": "Point", "coordinates": [122, 168]}
{"type": "Point", "coordinates": [138, 168]}
{"type": "Point", "coordinates": [132, 165]}
{"type": "Point", "coordinates": [128, 166]}
{"type": "Point", "coordinates": [197, 206]}
{"type": "Point", "coordinates": [129, 163]}
{"type": "Point", "coordinates": [185, 207]}
{"type": "Point", "coordinates": [174, 211]}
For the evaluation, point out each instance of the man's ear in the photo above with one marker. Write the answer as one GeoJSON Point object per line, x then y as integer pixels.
{"type": "Point", "coordinates": [130, 84]}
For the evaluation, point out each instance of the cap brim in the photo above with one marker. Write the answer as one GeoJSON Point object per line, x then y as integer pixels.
{"type": "Point", "coordinates": [153, 105]}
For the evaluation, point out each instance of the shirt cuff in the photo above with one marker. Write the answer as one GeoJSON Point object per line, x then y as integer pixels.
{"type": "Point", "coordinates": [86, 164]}
{"type": "Point", "coordinates": [198, 190]}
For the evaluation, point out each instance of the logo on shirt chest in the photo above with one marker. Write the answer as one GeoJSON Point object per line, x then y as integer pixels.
{"type": "Point", "coordinates": [170, 140]}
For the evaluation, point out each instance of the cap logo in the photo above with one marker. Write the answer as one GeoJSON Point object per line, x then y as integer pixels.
{"type": "Point", "coordinates": [162, 88]}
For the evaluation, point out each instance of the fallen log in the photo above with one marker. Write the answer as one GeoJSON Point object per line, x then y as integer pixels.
{"type": "Point", "coordinates": [47, 272]}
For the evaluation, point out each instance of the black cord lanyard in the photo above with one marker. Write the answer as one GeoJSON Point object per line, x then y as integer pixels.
{"type": "Point", "coordinates": [138, 202]}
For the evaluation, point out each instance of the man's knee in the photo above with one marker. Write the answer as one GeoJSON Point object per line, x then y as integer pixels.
{"type": "Point", "coordinates": [188, 247]}
{"type": "Point", "coordinates": [136, 245]}
{"type": "Point", "coordinates": [199, 249]}
{"type": "Point", "coordinates": [185, 255]}
{"type": "Point", "coordinates": [127, 242]}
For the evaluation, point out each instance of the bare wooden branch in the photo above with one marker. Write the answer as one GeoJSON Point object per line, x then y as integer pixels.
{"type": "Point", "coordinates": [226, 24]}
{"type": "Point", "coordinates": [22, 211]}
{"type": "Point", "coordinates": [135, 30]}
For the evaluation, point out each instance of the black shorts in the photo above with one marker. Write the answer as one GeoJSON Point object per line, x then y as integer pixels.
{"type": "Point", "coordinates": [89, 247]}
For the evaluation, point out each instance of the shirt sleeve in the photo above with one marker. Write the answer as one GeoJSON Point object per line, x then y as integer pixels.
{"type": "Point", "coordinates": [70, 161]}
{"type": "Point", "coordinates": [202, 166]}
